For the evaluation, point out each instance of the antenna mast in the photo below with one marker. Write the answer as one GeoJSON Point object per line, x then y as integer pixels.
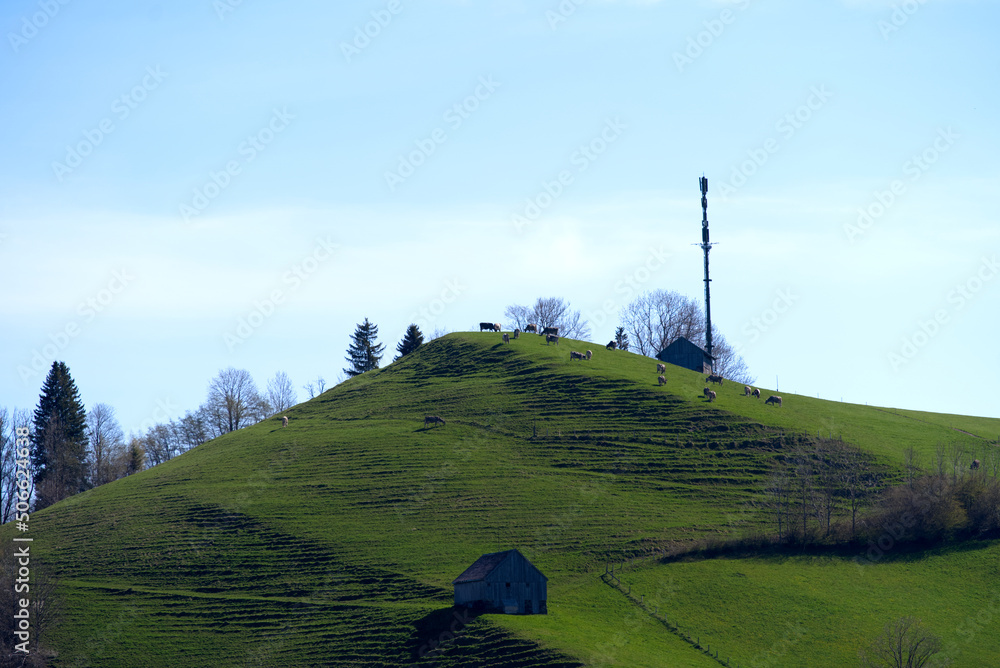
{"type": "Point", "coordinates": [706, 246]}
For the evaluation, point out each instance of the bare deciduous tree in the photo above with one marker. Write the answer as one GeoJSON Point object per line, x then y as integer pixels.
{"type": "Point", "coordinates": [107, 444]}
{"type": "Point", "coordinates": [656, 319]}
{"type": "Point", "coordinates": [280, 395]}
{"type": "Point", "coordinates": [904, 643]}
{"type": "Point", "coordinates": [728, 363]}
{"type": "Point", "coordinates": [9, 423]}
{"type": "Point", "coordinates": [549, 312]}
{"type": "Point", "coordinates": [233, 401]}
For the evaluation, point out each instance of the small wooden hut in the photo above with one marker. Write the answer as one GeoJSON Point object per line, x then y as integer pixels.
{"type": "Point", "coordinates": [686, 354]}
{"type": "Point", "coordinates": [502, 582]}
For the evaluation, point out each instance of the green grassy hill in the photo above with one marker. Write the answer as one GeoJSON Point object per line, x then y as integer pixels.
{"type": "Point", "coordinates": [334, 541]}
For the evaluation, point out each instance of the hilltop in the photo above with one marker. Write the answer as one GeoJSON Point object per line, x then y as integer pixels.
{"type": "Point", "coordinates": [334, 541]}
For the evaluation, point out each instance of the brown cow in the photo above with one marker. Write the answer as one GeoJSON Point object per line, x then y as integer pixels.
{"type": "Point", "coordinates": [773, 399]}
{"type": "Point", "coordinates": [756, 393]}
{"type": "Point", "coordinates": [714, 379]}
{"type": "Point", "coordinates": [662, 380]}
{"type": "Point", "coordinates": [531, 328]}
{"type": "Point", "coordinates": [506, 337]}
{"type": "Point", "coordinates": [550, 330]}
{"type": "Point", "coordinates": [551, 338]}
{"type": "Point", "coordinates": [661, 368]}
{"type": "Point", "coordinates": [711, 395]}
{"type": "Point", "coordinates": [573, 355]}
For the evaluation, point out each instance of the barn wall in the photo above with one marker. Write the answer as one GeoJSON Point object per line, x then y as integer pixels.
{"type": "Point", "coordinates": [525, 585]}
{"type": "Point", "coordinates": [527, 588]}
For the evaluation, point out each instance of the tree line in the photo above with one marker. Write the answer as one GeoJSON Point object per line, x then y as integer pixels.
{"type": "Point", "coordinates": [74, 450]}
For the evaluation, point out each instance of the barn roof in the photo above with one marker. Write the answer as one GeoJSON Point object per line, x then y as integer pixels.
{"type": "Point", "coordinates": [681, 342]}
{"type": "Point", "coordinates": [485, 564]}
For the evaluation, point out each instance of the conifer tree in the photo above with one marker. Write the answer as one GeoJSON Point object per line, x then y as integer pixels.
{"type": "Point", "coordinates": [365, 352]}
{"type": "Point", "coordinates": [59, 455]}
{"type": "Point", "coordinates": [412, 340]}
{"type": "Point", "coordinates": [621, 338]}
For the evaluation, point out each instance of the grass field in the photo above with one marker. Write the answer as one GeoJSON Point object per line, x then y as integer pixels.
{"type": "Point", "coordinates": [334, 541]}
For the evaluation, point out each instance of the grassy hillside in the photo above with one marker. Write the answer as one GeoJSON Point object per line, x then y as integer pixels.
{"type": "Point", "coordinates": [334, 541]}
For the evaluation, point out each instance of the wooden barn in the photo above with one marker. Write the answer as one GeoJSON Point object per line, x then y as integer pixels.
{"type": "Point", "coordinates": [686, 354]}
{"type": "Point", "coordinates": [502, 582]}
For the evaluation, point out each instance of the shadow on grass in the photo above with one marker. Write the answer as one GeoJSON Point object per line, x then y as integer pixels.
{"type": "Point", "coordinates": [436, 631]}
{"type": "Point", "coordinates": [778, 553]}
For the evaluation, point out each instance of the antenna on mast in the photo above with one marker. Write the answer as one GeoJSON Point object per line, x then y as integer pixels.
{"type": "Point", "coordinates": [706, 246]}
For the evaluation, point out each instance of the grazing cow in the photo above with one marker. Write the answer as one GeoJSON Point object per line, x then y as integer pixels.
{"type": "Point", "coordinates": [611, 345]}
{"type": "Point", "coordinates": [284, 420]}
{"type": "Point", "coordinates": [705, 392]}
{"type": "Point", "coordinates": [517, 333]}
{"type": "Point", "coordinates": [773, 399]}
{"type": "Point", "coordinates": [756, 393]}
{"type": "Point", "coordinates": [662, 380]}
{"type": "Point", "coordinates": [661, 368]}
{"type": "Point", "coordinates": [974, 465]}
{"type": "Point", "coordinates": [747, 391]}
{"type": "Point", "coordinates": [506, 337]}
{"type": "Point", "coordinates": [531, 328]}
{"type": "Point", "coordinates": [711, 395]}
{"type": "Point", "coordinates": [714, 379]}
{"type": "Point", "coordinates": [550, 330]}
{"type": "Point", "coordinates": [433, 419]}
{"type": "Point", "coordinates": [488, 325]}
{"type": "Point", "coordinates": [573, 355]}
{"type": "Point", "coordinates": [551, 338]}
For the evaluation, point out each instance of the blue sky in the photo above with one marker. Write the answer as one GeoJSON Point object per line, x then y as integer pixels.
{"type": "Point", "coordinates": [172, 170]}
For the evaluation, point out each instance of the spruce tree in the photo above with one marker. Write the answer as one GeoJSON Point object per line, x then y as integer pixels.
{"type": "Point", "coordinates": [621, 338]}
{"type": "Point", "coordinates": [59, 455]}
{"type": "Point", "coordinates": [412, 340]}
{"type": "Point", "coordinates": [364, 353]}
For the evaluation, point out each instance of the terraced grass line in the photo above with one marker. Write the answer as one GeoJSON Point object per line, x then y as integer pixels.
{"type": "Point", "coordinates": [334, 541]}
